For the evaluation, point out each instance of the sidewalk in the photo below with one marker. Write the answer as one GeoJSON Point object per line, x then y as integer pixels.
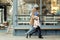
{"type": "Point", "coordinates": [11, 37]}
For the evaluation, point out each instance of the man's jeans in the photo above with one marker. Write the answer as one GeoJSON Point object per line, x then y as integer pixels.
{"type": "Point", "coordinates": [31, 30]}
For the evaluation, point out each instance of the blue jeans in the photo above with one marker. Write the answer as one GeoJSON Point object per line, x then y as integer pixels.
{"type": "Point", "coordinates": [31, 30]}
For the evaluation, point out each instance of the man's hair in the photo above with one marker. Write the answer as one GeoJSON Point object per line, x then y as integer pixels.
{"type": "Point", "coordinates": [37, 8]}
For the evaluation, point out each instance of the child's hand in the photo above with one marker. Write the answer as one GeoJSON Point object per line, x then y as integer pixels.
{"type": "Point", "coordinates": [36, 17]}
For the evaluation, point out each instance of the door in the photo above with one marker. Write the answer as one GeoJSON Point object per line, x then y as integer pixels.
{"type": "Point", "coordinates": [1, 15]}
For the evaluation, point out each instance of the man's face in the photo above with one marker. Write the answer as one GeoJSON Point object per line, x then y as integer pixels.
{"type": "Point", "coordinates": [34, 9]}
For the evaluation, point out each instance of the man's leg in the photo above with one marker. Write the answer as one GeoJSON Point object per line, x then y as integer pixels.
{"type": "Point", "coordinates": [30, 32]}
{"type": "Point", "coordinates": [34, 31]}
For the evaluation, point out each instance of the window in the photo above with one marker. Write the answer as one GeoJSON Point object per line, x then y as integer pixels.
{"type": "Point", "coordinates": [50, 12]}
{"type": "Point", "coordinates": [24, 10]}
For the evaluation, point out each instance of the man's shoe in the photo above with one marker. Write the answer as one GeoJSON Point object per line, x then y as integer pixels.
{"type": "Point", "coordinates": [27, 36]}
{"type": "Point", "coordinates": [30, 35]}
{"type": "Point", "coordinates": [41, 37]}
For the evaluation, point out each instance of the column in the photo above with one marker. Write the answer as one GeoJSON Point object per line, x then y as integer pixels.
{"type": "Point", "coordinates": [15, 11]}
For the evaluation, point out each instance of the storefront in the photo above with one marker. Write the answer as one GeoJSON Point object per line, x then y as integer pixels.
{"type": "Point", "coordinates": [3, 14]}
{"type": "Point", "coordinates": [49, 15]}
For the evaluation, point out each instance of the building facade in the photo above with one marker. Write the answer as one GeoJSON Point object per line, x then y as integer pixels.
{"type": "Point", "coordinates": [20, 14]}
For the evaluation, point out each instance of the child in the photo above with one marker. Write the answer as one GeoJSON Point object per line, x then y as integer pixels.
{"type": "Point", "coordinates": [37, 24]}
{"type": "Point", "coordinates": [36, 20]}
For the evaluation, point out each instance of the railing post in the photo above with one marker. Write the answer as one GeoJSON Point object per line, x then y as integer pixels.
{"type": "Point", "coordinates": [15, 8]}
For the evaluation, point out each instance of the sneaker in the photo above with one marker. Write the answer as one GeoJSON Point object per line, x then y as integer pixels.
{"type": "Point", "coordinates": [41, 37]}
{"type": "Point", "coordinates": [27, 36]}
{"type": "Point", "coordinates": [30, 35]}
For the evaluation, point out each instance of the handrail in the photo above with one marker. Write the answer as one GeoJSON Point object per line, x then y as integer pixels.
{"type": "Point", "coordinates": [40, 15]}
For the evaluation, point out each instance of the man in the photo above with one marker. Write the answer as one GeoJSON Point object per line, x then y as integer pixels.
{"type": "Point", "coordinates": [36, 25]}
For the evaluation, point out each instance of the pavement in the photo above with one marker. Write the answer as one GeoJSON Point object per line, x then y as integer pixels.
{"type": "Point", "coordinates": [4, 36]}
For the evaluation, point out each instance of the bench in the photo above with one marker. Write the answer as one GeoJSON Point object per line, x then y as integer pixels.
{"type": "Point", "coordinates": [50, 23]}
{"type": "Point", "coordinates": [25, 27]}
{"type": "Point", "coordinates": [46, 30]}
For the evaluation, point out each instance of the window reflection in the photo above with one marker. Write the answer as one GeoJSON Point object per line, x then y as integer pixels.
{"type": "Point", "coordinates": [50, 11]}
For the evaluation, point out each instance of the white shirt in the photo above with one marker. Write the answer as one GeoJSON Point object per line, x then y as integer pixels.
{"type": "Point", "coordinates": [36, 22]}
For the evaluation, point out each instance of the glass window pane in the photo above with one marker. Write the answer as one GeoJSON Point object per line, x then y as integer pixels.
{"type": "Point", "coordinates": [24, 10]}
{"type": "Point", "coordinates": [51, 12]}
